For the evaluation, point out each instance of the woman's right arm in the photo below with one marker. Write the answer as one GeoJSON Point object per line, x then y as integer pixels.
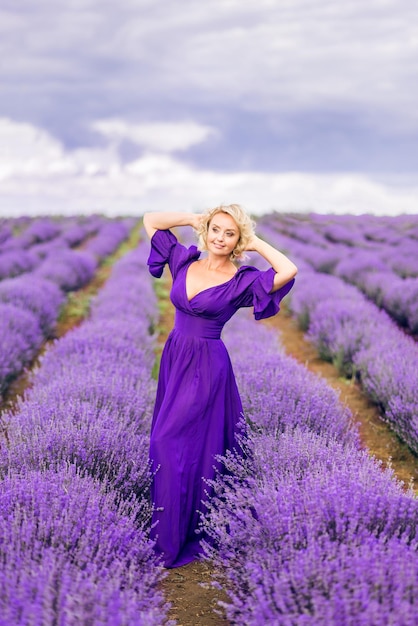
{"type": "Point", "coordinates": [165, 220]}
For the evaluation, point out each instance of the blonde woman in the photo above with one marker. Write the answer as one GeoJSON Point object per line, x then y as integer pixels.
{"type": "Point", "coordinates": [198, 406]}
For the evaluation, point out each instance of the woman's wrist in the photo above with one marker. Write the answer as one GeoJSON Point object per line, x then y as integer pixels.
{"type": "Point", "coordinates": [254, 244]}
{"type": "Point", "coordinates": [195, 220]}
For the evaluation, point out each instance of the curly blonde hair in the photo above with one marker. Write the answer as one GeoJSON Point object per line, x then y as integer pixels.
{"type": "Point", "coordinates": [245, 225]}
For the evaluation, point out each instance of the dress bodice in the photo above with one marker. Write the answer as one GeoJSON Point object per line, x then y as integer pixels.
{"type": "Point", "coordinates": [248, 287]}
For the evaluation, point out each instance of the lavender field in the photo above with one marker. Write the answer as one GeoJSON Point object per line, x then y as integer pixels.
{"type": "Point", "coordinates": [306, 528]}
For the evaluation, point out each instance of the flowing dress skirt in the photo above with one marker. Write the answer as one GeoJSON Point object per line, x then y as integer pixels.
{"type": "Point", "coordinates": [195, 418]}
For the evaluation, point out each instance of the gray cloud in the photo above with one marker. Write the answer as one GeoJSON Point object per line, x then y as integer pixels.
{"type": "Point", "coordinates": [284, 85]}
{"type": "Point", "coordinates": [263, 56]}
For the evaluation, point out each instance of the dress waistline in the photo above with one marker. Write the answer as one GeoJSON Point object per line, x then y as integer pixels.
{"type": "Point", "coordinates": [195, 326]}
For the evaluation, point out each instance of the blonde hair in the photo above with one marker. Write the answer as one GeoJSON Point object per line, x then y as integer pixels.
{"type": "Point", "coordinates": [245, 226]}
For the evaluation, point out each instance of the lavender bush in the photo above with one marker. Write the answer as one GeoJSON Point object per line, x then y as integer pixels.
{"type": "Point", "coordinates": [69, 269]}
{"type": "Point", "coordinates": [42, 238]}
{"type": "Point", "coordinates": [15, 262]}
{"type": "Point", "coordinates": [295, 399]}
{"type": "Point", "coordinates": [99, 416]}
{"type": "Point", "coordinates": [43, 229]}
{"type": "Point", "coordinates": [108, 238]}
{"type": "Point", "coordinates": [20, 338]}
{"type": "Point", "coordinates": [47, 270]}
{"type": "Point", "coordinates": [34, 294]}
{"type": "Point", "coordinates": [5, 232]}
{"type": "Point", "coordinates": [73, 554]}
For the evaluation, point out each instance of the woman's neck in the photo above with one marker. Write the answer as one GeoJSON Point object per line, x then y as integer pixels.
{"type": "Point", "coordinates": [216, 264]}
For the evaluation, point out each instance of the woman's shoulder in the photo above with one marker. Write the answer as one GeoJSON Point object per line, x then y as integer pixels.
{"type": "Point", "coordinates": [248, 273]}
{"type": "Point", "coordinates": [165, 248]}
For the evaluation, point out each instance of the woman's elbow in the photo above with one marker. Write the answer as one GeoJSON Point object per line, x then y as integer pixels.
{"type": "Point", "coordinates": [291, 275]}
{"type": "Point", "coordinates": [148, 224]}
{"type": "Point", "coordinates": [290, 272]}
{"type": "Point", "coordinates": [282, 278]}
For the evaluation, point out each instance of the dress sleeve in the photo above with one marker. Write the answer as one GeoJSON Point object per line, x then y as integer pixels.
{"type": "Point", "coordinates": [265, 303]}
{"type": "Point", "coordinates": [257, 294]}
{"type": "Point", "coordinates": [165, 248]}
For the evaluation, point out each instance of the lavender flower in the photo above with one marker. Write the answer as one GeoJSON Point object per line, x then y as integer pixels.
{"type": "Point", "coordinates": [72, 554]}
{"type": "Point", "coordinates": [34, 294]}
{"type": "Point", "coordinates": [69, 269]}
{"type": "Point", "coordinates": [20, 339]}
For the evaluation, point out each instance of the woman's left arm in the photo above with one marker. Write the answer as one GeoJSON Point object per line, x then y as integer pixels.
{"type": "Point", "coordinates": [285, 269]}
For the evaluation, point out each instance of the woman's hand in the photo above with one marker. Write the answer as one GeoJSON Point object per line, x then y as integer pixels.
{"type": "Point", "coordinates": [284, 268]}
{"type": "Point", "coordinates": [196, 220]}
{"type": "Point", "coordinates": [252, 244]}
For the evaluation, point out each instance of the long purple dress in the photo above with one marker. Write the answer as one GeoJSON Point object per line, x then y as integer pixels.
{"type": "Point", "coordinates": [197, 406]}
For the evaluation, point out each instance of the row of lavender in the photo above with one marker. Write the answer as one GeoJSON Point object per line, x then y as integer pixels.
{"type": "Point", "coordinates": [24, 243]}
{"type": "Point", "coordinates": [74, 503]}
{"type": "Point", "coordinates": [359, 338]}
{"type": "Point", "coordinates": [308, 529]}
{"type": "Point", "coordinates": [30, 303]}
{"type": "Point", "coordinates": [394, 238]}
{"type": "Point", "coordinates": [378, 255]}
{"type": "Point", "coordinates": [44, 244]}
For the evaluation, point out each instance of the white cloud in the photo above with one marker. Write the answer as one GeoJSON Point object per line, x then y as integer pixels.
{"type": "Point", "coordinates": [26, 149]}
{"type": "Point", "coordinates": [158, 136]}
{"type": "Point", "coordinates": [30, 152]}
{"type": "Point", "coordinates": [38, 175]}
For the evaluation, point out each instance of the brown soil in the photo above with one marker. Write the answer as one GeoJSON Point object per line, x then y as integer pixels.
{"type": "Point", "coordinates": [194, 600]}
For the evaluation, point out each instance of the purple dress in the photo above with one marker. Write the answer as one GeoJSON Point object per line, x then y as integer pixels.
{"type": "Point", "coordinates": [197, 406]}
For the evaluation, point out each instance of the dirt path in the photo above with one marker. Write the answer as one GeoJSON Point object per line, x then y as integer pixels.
{"type": "Point", "coordinates": [194, 600]}
{"type": "Point", "coordinates": [374, 433]}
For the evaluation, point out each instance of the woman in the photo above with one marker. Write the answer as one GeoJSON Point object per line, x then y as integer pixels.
{"type": "Point", "coordinates": [198, 407]}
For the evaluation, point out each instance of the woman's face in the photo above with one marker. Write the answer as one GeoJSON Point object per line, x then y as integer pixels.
{"type": "Point", "coordinates": [223, 234]}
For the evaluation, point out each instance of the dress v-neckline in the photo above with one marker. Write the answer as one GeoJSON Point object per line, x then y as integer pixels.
{"type": "Point", "coordinates": [207, 288]}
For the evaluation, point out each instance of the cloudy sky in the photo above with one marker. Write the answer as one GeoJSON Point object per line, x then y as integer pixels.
{"type": "Point", "coordinates": [135, 105]}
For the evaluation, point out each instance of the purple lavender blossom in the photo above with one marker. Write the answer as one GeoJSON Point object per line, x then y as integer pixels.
{"type": "Point", "coordinates": [20, 339]}
{"type": "Point", "coordinates": [5, 232]}
{"type": "Point", "coordinates": [43, 229]}
{"type": "Point", "coordinates": [278, 393]}
{"type": "Point", "coordinates": [73, 554]}
{"type": "Point", "coordinates": [109, 237]}
{"type": "Point", "coordinates": [35, 294]}
{"type": "Point", "coordinates": [15, 262]}
{"type": "Point", "coordinates": [69, 269]}
{"type": "Point", "coordinates": [359, 338]}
